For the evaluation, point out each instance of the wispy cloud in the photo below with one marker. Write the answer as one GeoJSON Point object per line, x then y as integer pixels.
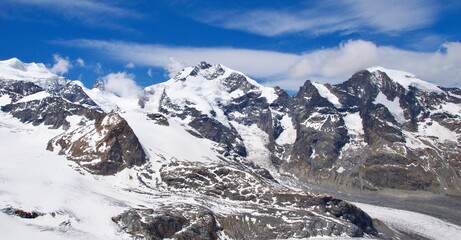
{"type": "Point", "coordinates": [290, 70]}
{"type": "Point", "coordinates": [89, 12]}
{"type": "Point", "coordinates": [254, 62]}
{"type": "Point", "coordinates": [329, 16]}
{"type": "Point", "coordinates": [80, 62]}
{"type": "Point", "coordinates": [130, 65]}
{"type": "Point", "coordinates": [150, 73]}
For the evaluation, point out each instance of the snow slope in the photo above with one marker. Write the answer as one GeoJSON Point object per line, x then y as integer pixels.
{"type": "Point", "coordinates": [38, 180]}
{"type": "Point", "coordinates": [424, 225]}
{"type": "Point", "coordinates": [325, 93]}
{"type": "Point", "coordinates": [14, 69]}
{"type": "Point", "coordinates": [407, 79]}
{"type": "Point", "coordinates": [75, 204]}
{"type": "Point", "coordinates": [393, 106]}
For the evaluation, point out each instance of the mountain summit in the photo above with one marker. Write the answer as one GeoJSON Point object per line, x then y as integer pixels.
{"type": "Point", "coordinates": [212, 154]}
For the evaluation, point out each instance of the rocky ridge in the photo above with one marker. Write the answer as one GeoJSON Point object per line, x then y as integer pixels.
{"type": "Point", "coordinates": [218, 138]}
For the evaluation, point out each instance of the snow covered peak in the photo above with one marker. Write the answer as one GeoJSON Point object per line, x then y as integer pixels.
{"type": "Point", "coordinates": [15, 63]}
{"type": "Point", "coordinates": [214, 82]}
{"type": "Point", "coordinates": [206, 87]}
{"type": "Point", "coordinates": [206, 71]}
{"type": "Point", "coordinates": [15, 69]}
{"type": "Point", "coordinates": [406, 79]}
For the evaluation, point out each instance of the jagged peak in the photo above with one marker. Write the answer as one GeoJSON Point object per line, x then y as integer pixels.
{"type": "Point", "coordinates": [405, 79]}
{"type": "Point", "coordinates": [204, 65]}
{"type": "Point", "coordinates": [203, 69]}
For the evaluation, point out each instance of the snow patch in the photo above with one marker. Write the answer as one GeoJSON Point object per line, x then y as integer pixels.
{"type": "Point", "coordinates": [5, 100]}
{"type": "Point", "coordinates": [174, 139]}
{"type": "Point", "coordinates": [326, 93]}
{"type": "Point", "coordinates": [288, 136]}
{"type": "Point", "coordinates": [36, 96]}
{"type": "Point", "coordinates": [269, 94]}
{"type": "Point", "coordinates": [451, 108]}
{"type": "Point", "coordinates": [255, 141]}
{"type": "Point", "coordinates": [412, 141]}
{"type": "Point", "coordinates": [407, 79]}
{"type": "Point", "coordinates": [434, 129]}
{"type": "Point", "coordinates": [354, 124]}
{"type": "Point", "coordinates": [393, 106]}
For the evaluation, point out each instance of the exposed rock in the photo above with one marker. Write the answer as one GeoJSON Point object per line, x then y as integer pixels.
{"type": "Point", "coordinates": [276, 208]}
{"type": "Point", "coordinates": [104, 145]}
{"type": "Point", "coordinates": [185, 221]}
{"type": "Point", "coordinates": [179, 222]}
{"type": "Point", "coordinates": [158, 119]}
{"type": "Point", "coordinates": [18, 89]}
{"type": "Point", "coordinates": [51, 111]}
{"type": "Point", "coordinates": [21, 213]}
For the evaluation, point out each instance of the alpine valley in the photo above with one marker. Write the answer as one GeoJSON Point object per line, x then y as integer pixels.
{"type": "Point", "coordinates": [212, 154]}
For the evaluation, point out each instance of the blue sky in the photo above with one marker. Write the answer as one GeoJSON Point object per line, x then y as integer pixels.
{"type": "Point", "coordinates": [275, 42]}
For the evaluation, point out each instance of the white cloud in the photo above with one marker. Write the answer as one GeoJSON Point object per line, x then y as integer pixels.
{"type": "Point", "coordinates": [61, 65]}
{"type": "Point", "coordinates": [335, 65]}
{"type": "Point", "coordinates": [80, 62]}
{"type": "Point", "coordinates": [174, 66]}
{"type": "Point", "coordinates": [150, 73]}
{"type": "Point", "coordinates": [329, 16]}
{"type": "Point", "coordinates": [90, 12]}
{"type": "Point", "coordinates": [98, 68]}
{"type": "Point", "coordinates": [79, 8]}
{"type": "Point", "coordinates": [288, 70]}
{"type": "Point", "coordinates": [130, 65]}
{"type": "Point", "coordinates": [122, 84]}
{"type": "Point", "coordinates": [393, 15]}
{"type": "Point", "coordinates": [253, 62]}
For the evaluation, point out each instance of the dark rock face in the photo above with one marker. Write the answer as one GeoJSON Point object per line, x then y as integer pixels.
{"type": "Point", "coordinates": [18, 89]}
{"type": "Point", "coordinates": [380, 157]}
{"type": "Point", "coordinates": [158, 119]}
{"type": "Point", "coordinates": [179, 222]}
{"type": "Point", "coordinates": [207, 127]}
{"type": "Point", "coordinates": [211, 129]}
{"type": "Point", "coordinates": [387, 162]}
{"type": "Point", "coordinates": [51, 111]}
{"type": "Point", "coordinates": [74, 93]}
{"type": "Point", "coordinates": [237, 81]}
{"type": "Point", "coordinates": [115, 149]}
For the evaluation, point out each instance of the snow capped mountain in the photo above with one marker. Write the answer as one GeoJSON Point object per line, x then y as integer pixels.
{"type": "Point", "coordinates": [14, 69]}
{"type": "Point", "coordinates": [212, 154]}
{"type": "Point", "coordinates": [406, 79]}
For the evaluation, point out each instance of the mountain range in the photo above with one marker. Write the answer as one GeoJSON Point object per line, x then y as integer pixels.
{"type": "Point", "coordinates": [213, 154]}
